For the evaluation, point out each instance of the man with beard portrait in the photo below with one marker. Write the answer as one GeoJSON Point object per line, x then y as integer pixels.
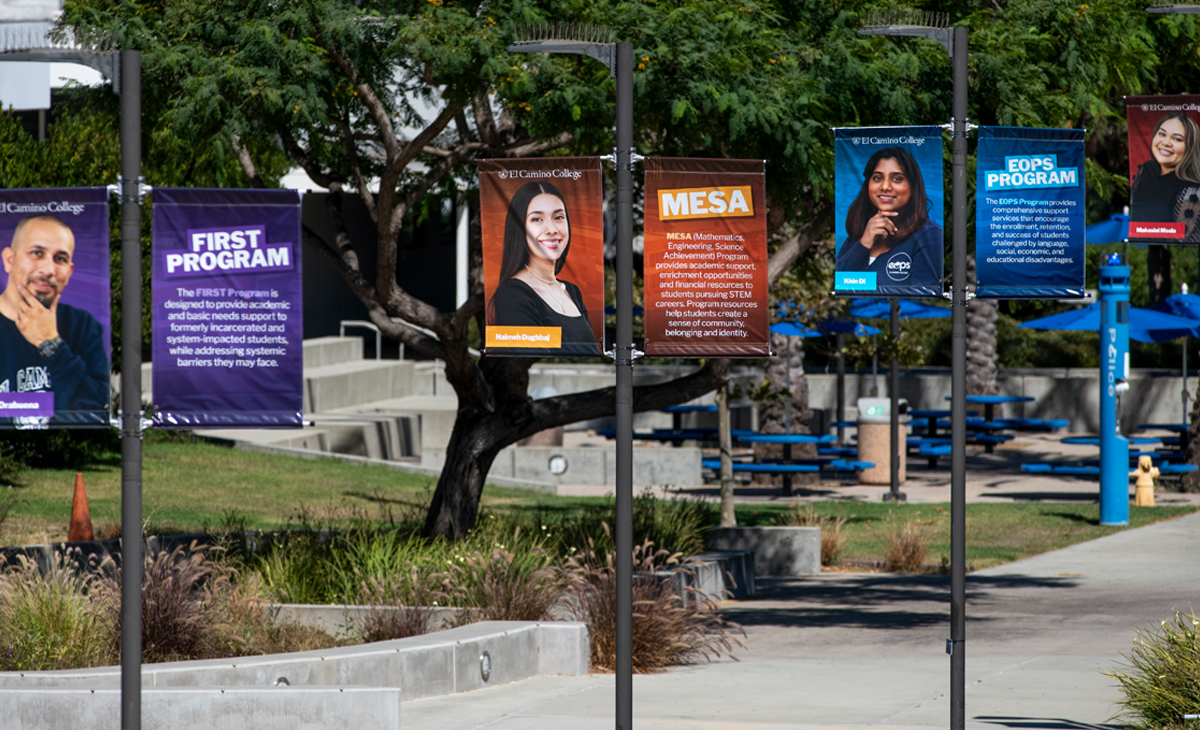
{"type": "Point", "coordinates": [47, 346]}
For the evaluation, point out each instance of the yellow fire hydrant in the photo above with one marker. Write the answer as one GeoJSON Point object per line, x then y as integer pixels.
{"type": "Point", "coordinates": [1146, 473]}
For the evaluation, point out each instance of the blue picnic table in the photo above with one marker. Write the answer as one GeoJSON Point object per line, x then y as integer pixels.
{"type": "Point", "coordinates": [678, 411]}
{"type": "Point", "coordinates": [989, 403]}
{"type": "Point", "coordinates": [787, 465]}
{"type": "Point", "coordinates": [1180, 428]}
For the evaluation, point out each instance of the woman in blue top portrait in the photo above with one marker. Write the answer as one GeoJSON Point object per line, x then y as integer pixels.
{"type": "Point", "coordinates": [888, 227]}
{"type": "Point", "coordinates": [537, 238]}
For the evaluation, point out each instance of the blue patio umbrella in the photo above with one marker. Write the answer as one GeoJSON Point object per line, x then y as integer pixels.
{"type": "Point", "coordinates": [1182, 305]}
{"type": "Point", "coordinates": [882, 309]}
{"type": "Point", "coordinates": [1145, 325]}
{"type": "Point", "coordinates": [833, 326]}
{"type": "Point", "coordinates": [1113, 230]}
{"type": "Point", "coordinates": [795, 329]}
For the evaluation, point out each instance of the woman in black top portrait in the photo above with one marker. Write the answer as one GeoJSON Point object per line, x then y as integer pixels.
{"type": "Point", "coordinates": [537, 238]}
{"type": "Point", "coordinates": [1166, 186]}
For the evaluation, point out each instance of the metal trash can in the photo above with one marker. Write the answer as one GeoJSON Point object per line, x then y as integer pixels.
{"type": "Point", "coordinates": [874, 441]}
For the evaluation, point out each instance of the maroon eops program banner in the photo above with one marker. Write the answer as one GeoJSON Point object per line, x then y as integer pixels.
{"type": "Point", "coordinates": [705, 258]}
{"type": "Point", "coordinates": [1164, 168]}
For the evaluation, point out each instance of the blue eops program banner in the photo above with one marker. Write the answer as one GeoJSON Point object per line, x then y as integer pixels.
{"type": "Point", "coordinates": [227, 325]}
{"type": "Point", "coordinates": [889, 198]}
{"type": "Point", "coordinates": [1029, 213]}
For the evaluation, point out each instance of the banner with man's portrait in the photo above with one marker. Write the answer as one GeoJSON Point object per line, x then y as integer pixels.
{"type": "Point", "coordinates": [228, 337]}
{"type": "Point", "coordinates": [543, 256]}
{"type": "Point", "coordinates": [55, 310]}
{"type": "Point", "coordinates": [705, 258]}
{"type": "Point", "coordinates": [1164, 168]}
{"type": "Point", "coordinates": [889, 211]}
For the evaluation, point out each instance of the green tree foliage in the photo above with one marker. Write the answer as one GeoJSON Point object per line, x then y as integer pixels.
{"type": "Point", "coordinates": [390, 100]}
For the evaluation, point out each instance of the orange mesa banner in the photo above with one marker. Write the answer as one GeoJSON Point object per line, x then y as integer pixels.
{"type": "Point", "coordinates": [543, 256]}
{"type": "Point", "coordinates": [706, 258]}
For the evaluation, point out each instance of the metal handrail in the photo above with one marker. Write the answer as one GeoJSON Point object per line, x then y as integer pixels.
{"type": "Point", "coordinates": [370, 326]}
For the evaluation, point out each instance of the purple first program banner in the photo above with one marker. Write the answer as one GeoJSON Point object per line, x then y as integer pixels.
{"type": "Point", "coordinates": [228, 331]}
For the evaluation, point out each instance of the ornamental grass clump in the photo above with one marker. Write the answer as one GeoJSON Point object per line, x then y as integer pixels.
{"type": "Point", "coordinates": [500, 587]}
{"type": "Point", "coordinates": [833, 540]}
{"type": "Point", "coordinates": [48, 622]}
{"type": "Point", "coordinates": [907, 548]}
{"type": "Point", "coordinates": [182, 616]}
{"type": "Point", "coordinates": [1161, 681]}
{"type": "Point", "coordinates": [666, 629]}
{"type": "Point", "coordinates": [404, 606]}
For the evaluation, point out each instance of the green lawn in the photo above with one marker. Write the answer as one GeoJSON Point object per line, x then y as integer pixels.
{"type": "Point", "coordinates": [996, 533]}
{"type": "Point", "coordinates": [190, 487]}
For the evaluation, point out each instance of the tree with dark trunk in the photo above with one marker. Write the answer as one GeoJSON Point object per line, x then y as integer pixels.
{"type": "Point", "coordinates": [981, 341]}
{"type": "Point", "coordinates": [1158, 274]}
{"type": "Point", "coordinates": [391, 101]}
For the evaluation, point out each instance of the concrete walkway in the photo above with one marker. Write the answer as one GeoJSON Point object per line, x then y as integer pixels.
{"type": "Point", "coordinates": [858, 650]}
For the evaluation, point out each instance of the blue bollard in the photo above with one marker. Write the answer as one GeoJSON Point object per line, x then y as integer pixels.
{"type": "Point", "coordinates": [1114, 370]}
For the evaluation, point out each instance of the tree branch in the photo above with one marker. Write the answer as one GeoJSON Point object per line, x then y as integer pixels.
{"type": "Point", "coordinates": [374, 105]}
{"type": "Point", "coordinates": [352, 153]}
{"type": "Point", "coordinates": [302, 158]}
{"type": "Point", "coordinates": [801, 240]}
{"type": "Point", "coordinates": [362, 289]}
{"type": "Point", "coordinates": [575, 407]}
{"type": "Point", "coordinates": [246, 161]}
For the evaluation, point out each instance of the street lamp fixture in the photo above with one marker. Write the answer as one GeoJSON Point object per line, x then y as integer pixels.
{"type": "Point", "coordinates": [618, 57]}
{"type": "Point", "coordinates": [1174, 9]}
{"type": "Point", "coordinates": [933, 26]}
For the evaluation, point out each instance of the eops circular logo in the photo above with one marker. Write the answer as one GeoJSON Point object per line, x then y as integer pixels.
{"type": "Point", "coordinates": [503, 174]}
{"type": "Point", "coordinates": [899, 266]}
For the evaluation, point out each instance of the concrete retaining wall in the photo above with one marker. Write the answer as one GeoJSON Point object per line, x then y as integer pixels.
{"type": "Point", "coordinates": [720, 575]}
{"type": "Point", "coordinates": [204, 708]}
{"type": "Point", "coordinates": [435, 664]}
{"type": "Point", "coordinates": [777, 550]}
{"type": "Point", "coordinates": [346, 620]}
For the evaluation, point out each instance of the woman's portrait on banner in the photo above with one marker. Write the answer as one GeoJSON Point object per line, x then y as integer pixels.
{"type": "Point", "coordinates": [1164, 160]}
{"type": "Point", "coordinates": [538, 296]}
{"type": "Point", "coordinates": [889, 229]}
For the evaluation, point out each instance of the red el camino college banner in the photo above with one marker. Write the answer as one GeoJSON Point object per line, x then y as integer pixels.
{"type": "Point", "coordinates": [543, 256]}
{"type": "Point", "coordinates": [1164, 168]}
{"type": "Point", "coordinates": [705, 258]}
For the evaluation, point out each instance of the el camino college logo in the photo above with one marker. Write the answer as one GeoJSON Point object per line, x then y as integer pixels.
{"type": "Point", "coordinates": [899, 266]}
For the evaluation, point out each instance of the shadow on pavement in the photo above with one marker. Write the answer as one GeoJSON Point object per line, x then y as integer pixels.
{"type": "Point", "coordinates": [879, 601]}
{"type": "Point", "coordinates": [1043, 723]}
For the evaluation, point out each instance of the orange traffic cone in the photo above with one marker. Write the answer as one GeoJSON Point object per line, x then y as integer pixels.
{"type": "Point", "coordinates": [81, 517]}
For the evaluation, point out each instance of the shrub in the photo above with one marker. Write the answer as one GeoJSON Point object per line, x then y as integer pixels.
{"type": "Point", "coordinates": [499, 588]}
{"type": "Point", "coordinates": [1163, 678]}
{"type": "Point", "coordinates": [181, 618]}
{"type": "Point", "coordinates": [253, 630]}
{"type": "Point", "coordinates": [398, 609]}
{"type": "Point", "coordinates": [833, 540]}
{"type": "Point", "coordinates": [56, 449]}
{"type": "Point", "coordinates": [666, 631]}
{"type": "Point", "coordinates": [47, 622]}
{"type": "Point", "coordinates": [907, 547]}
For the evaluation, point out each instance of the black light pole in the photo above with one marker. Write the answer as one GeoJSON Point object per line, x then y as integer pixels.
{"type": "Point", "coordinates": [124, 70]}
{"type": "Point", "coordinates": [895, 495]}
{"type": "Point", "coordinates": [618, 57]}
{"type": "Point", "coordinates": [954, 40]}
{"type": "Point", "coordinates": [841, 386]}
{"type": "Point", "coordinates": [131, 391]}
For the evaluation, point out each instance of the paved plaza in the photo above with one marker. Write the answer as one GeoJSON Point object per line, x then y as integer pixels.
{"type": "Point", "coordinates": [868, 650]}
